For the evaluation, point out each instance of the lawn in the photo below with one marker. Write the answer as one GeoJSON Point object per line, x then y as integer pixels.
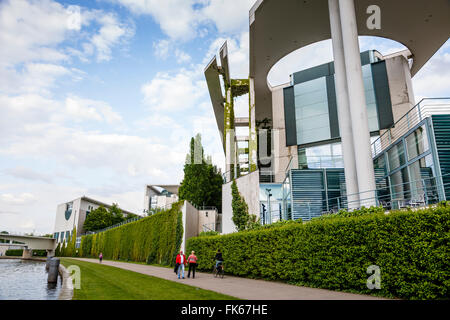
{"type": "Point", "coordinates": [101, 282]}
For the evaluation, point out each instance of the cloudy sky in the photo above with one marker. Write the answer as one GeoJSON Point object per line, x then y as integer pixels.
{"type": "Point", "coordinates": [100, 98]}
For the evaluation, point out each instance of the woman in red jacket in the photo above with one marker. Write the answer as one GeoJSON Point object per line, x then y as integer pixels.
{"type": "Point", "coordinates": [181, 260]}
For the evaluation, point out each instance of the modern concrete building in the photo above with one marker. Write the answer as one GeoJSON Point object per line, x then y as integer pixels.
{"type": "Point", "coordinates": [309, 145]}
{"type": "Point", "coordinates": [159, 197]}
{"type": "Point", "coordinates": [72, 215]}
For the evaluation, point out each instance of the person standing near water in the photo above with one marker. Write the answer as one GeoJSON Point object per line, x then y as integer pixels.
{"type": "Point", "coordinates": [100, 257]}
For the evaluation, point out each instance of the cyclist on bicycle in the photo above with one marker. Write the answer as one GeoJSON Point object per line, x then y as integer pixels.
{"type": "Point", "coordinates": [219, 259]}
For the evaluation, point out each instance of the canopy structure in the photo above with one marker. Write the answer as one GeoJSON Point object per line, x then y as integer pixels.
{"type": "Point", "coordinates": [280, 27]}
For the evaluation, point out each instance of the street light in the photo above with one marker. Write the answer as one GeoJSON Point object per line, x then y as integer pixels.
{"type": "Point", "coordinates": [270, 208]}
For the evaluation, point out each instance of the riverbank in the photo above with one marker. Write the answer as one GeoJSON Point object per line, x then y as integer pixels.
{"type": "Point", "coordinates": [103, 282]}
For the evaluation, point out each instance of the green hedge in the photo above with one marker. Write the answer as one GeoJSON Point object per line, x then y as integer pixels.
{"type": "Point", "coordinates": [411, 249]}
{"type": "Point", "coordinates": [154, 239]}
{"type": "Point", "coordinates": [14, 253]}
{"type": "Point", "coordinates": [19, 253]}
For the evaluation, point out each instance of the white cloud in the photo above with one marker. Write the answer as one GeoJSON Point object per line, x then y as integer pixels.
{"type": "Point", "coordinates": [28, 174]}
{"type": "Point", "coordinates": [182, 57]}
{"type": "Point", "coordinates": [183, 20]}
{"type": "Point", "coordinates": [181, 91]}
{"type": "Point", "coordinates": [177, 18]}
{"type": "Point", "coordinates": [111, 33]}
{"type": "Point", "coordinates": [161, 48]}
{"type": "Point", "coordinates": [228, 16]}
{"type": "Point", "coordinates": [86, 109]}
{"type": "Point", "coordinates": [17, 199]}
{"type": "Point", "coordinates": [434, 78]}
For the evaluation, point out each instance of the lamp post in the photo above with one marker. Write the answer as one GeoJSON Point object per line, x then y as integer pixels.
{"type": "Point", "coordinates": [268, 204]}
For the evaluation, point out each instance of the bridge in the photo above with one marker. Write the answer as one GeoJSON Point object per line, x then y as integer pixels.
{"type": "Point", "coordinates": [32, 243]}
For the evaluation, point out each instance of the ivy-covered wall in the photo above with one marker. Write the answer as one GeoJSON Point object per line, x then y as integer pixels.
{"type": "Point", "coordinates": [154, 239]}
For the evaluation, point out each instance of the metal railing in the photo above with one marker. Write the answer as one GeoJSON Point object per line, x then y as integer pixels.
{"type": "Point", "coordinates": [424, 109]}
{"type": "Point", "coordinates": [417, 193]}
{"type": "Point", "coordinates": [137, 218]}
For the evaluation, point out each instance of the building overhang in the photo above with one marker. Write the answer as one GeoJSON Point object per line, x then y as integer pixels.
{"type": "Point", "coordinates": [172, 188]}
{"type": "Point", "coordinates": [278, 28]}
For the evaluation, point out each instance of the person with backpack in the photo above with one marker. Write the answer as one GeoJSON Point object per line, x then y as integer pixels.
{"type": "Point", "coordinates": [192, 260]}
{"type": "Point", "coordinates": [100, 257]}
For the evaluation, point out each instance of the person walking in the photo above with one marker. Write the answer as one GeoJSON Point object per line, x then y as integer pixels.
{"type": "Point", "coordinates": [100, 257]}
{"type": "Point", "coordinates": [192, 260]}
{"type": "Point", "coordinates": [219, 258]}
{"type": "Point", "coordinates": [181, 259]}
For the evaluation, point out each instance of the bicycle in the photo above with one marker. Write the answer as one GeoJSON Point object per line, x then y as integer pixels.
{"type": "Point", "coordinates": [218, 272]}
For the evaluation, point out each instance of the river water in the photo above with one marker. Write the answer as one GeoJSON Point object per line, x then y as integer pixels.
{"type": "Point", "coordinates": [26, 280]}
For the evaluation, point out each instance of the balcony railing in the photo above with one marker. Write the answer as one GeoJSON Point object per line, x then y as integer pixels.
{"type": "Point", "coordinates": [424, 109]}
{"type": "Point", "coordinates": [417, 193]}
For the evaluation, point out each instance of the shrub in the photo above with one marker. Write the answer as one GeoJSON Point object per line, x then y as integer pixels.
{"type": "Point", "coordinates": [208, 233]}
{"type": "Point", "coordinates": [410, 247]}
{"type": "Point", "coordinates": [14, 252]}
{"type": "Point", "coordinates": [153, 239]}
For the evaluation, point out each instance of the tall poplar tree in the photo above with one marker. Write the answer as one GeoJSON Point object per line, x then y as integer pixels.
{"type": "Point", "coordinates": [202, 182]}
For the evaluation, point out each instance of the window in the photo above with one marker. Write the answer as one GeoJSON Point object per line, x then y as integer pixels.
{"type": "Point", "coordinates": [369, 93]}
{"type": "Point", "coordinates": [417, 143]}
{"type": "Point", "coordinates": [311, 111]}
{"type": "Point", "coordinates": [400, 185]}
{"type": "Point", "coordinates": [56, 236]}
{"type": "Point", "coordinates": [67, 235]}
{"type": "Point", "coordinates": [62, 236]}
{"type": "Point", "coordinates": [324, 156]}
{"type": "Point", "coordinates": [396, 156]}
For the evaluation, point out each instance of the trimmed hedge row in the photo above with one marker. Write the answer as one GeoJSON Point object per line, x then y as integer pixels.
{"type": "Point", "coordinates": [411, 249]}
{"type": "Point", "coordinates": [19, 253]}
{"type": "Point", "coordinates": [154, 239]}
{"type": "Point", "coordinates": [14, 252]}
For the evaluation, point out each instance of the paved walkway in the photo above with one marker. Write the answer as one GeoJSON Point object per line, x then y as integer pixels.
{"type": "Point", "coordinates": [242, 288]}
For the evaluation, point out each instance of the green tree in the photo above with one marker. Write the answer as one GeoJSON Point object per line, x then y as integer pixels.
{"type": "Point", "coordinates": [58, 250]}
{"type": "Point", "coordinates": [98, 219]}
{"type": "Point", "coordinates": [117, 215]}
{"type": "Point", "coordinates": [241, 217]}
{"type": "Point", "coordinates": [202, 182]}
{"type": "Point", "coordinates": [3, 232]}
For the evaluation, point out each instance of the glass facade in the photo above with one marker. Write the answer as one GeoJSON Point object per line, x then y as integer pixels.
{"type": "Point", "coordinates": [311, 111]}
{"type": "Point", "coordinates": [406, 172]}
{"type": "Point", "coordinates": [270, 201]}
{"type": "Point", "coordinates": [371, 103]}
{"type": "Point", "coordinates": [324, 156]}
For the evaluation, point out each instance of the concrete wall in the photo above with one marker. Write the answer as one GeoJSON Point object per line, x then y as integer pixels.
{"type": "Point", "coordinates": [248, 186]}
{"type": "Point", "coordinates": [190, 223]}
{"type": "Point", "coordinates": [281, 154]}
{"type": "Point", "coordinates": [401, 91]}
{"type": "Point", "coordinates": [208, 218]}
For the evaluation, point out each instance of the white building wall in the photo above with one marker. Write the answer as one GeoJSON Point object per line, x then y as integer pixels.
{"type": "Point", "coordinates": [190, 223]}
{"type": "Point", "coordinates": [79, 208]}
{"type": "Point", "coordinates": [248, 187]}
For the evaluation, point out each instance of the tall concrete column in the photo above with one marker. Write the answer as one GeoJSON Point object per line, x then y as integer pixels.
{"type": "Point", "coordinates": [230, 156]}
{"type": "Point", "coordinates": [345, 122]}
{"type": "Point", "coordinates": [357, 103]}
{"type": "Point", "coordinates": [252, 138]}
